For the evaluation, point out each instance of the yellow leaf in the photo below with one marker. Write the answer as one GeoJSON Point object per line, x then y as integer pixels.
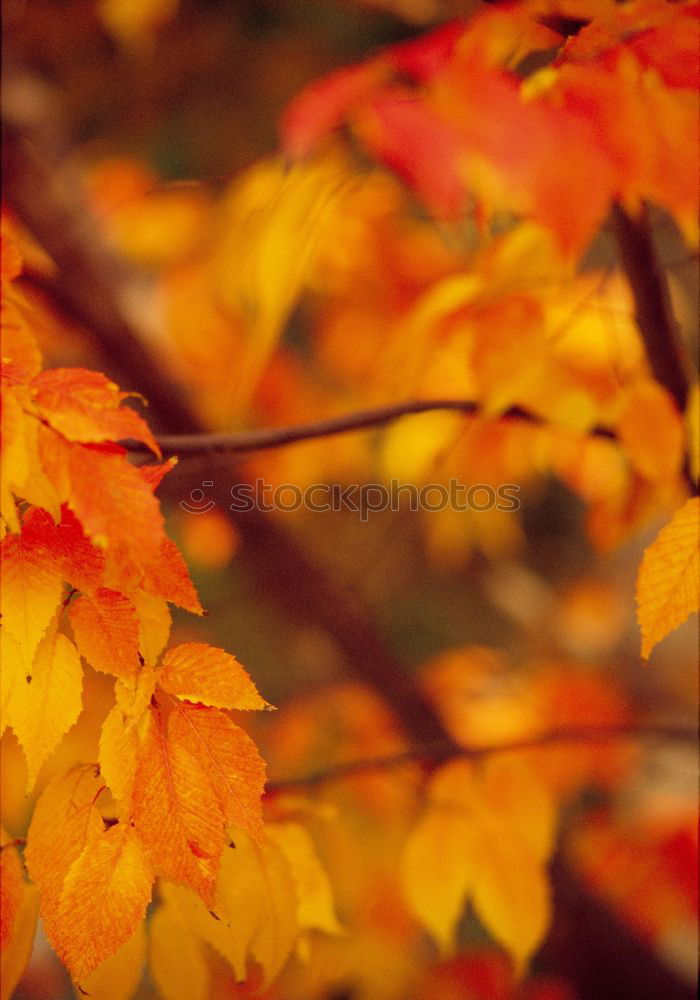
{"type": "Point", "coordinates": [119, 975]}
{"type": "Point", "coordinates": [315, 909]}
{"type": "Point", "coordinates": [511, 893]}
{"type": "Point", "coordinates": [177, 963]}
{"type": "Point", "coordinates": [667, 583]}
{"type": "Point", "coordinates": [200, 673]}
{"type": "Point", "coordinates": [270, 209]}
{"type": "Point", "coordinates": [104, 898]}
{"type": "Point", "coordinates": [119, 750]}
{"type": "Point", "coordinates": [486, 837]}
{"type": "Point", "coordinates": [45, 706]}
{"type": "Point", "coordinates": [437, 866]}
{"type": "Point", "coordinates": [154, 624]}
{"type": "Point", "coordinates": [255, 880]}
{"type": "Point", "coordinates": [254, 916]}
{"type": "Point", "coordinates": [13, 673]}
{"type": "Point", "coordinates": [211, 926]}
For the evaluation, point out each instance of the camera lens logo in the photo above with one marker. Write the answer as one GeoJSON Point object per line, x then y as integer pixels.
{"type": "Point", "coordinates": [198, 502]}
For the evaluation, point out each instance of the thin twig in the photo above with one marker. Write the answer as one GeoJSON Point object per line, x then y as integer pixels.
{"type": "Point", "coordinates": [239, 442]}
{"type": "Point", "coordinates": [442, 751]}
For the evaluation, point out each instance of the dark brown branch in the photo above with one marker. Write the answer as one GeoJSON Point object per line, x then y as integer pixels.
{"type": "Point", "coordinates": [440, 752]}
{"type": "Point", "coordinates": [652, 302]}
{"type": "Point", "coordinates": [240, 442]}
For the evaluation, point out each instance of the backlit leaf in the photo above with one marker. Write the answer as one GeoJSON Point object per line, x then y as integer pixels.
{"type": "Point", "coordinates": [15, 954]}
{"type": "Point", "coordinates": [65, 822]}
{"type": "Point", "coordinates": [43, 708]}
{"type": "Point", "coordinates": [85, 406]}
{"type": "Point", "coordinates": [103, 900]}
{"type": "Point", "coordinates": [485, 837]}
{"type": "Point", "coordinates": [176, 811]}
{"type": "Point", "coordinates": [176, 957]}
{"type": "Point", "coordinates": [230, 759]}
{"type": "Point", "coordinates": [197, 672]}
{"type": "Point", "coordinates": [31, 590]}
{"type": "Point", "coordinates": [106, 631]}
{"type": "Point", "coordinates": [315, 908]}
{"type": "Point", "coordinates": [119, 975]}
{"type": "Point", "coordinates": [667, 583]}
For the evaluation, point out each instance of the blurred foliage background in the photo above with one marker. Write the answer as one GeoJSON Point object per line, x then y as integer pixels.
{"type": "Point", "coordinates": [159, 91]}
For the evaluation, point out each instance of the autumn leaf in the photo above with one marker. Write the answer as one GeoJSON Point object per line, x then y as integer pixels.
{"type": "Point", "coordinates": [154, 620]}
{"type": "Point", "coordinates": [168, 577]}
{"type": "Point", "coordinates": [200, 673]}
{"type": "Point", "coordinates": [485, 836]}
{"type": "Point", "coordinates": [106, 630]}
{"type": "Point", "coordinates": [11, 886]}
{"type": "Point", "coordinates": [651, 430]}
{"type": "Point", "coordinates": [230, 759]}
{"type": "Point", "coordinates": [65, 822]}
{"type": "Point", "coordinates": [667, 582]}
{"type": "Point", "coordinates": [119, 975]}
{"type": "Point", "coordinates": [254, 915]}
{"type": "Point", "coordinates": [43, 706]}
{"type": "Point", "coordinates": [103, 900]}
{"type": "Point", "coordinates": [32, 586]}
{"type": "Point", "coordinates": [112, 502]}
{"type": "Point", "coordinates": [19, 909]}
{"type": "Point", "coordinates": [177, 960]}
{"type": "Point", "coordinates": [82, 563]}
{"type": "Point", "coordinates": [85, 406]}
{"type": "Point", "coordinates": [176, 811]}
{"type": "Point", "coordinates": [315, 906]}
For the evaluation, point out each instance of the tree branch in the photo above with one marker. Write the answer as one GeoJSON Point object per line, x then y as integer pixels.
{"type": "Point", "coordinates": [652, 302]}
{"type": "Point", "coordinates": [240, 442]}
{"type": "Point", "coordinates": [442, 751]}
{"type": "Point", "coordinates": [93, 286]}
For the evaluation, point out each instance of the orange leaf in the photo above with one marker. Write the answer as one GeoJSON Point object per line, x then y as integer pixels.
{"type": "Point", "coordinates": [106, 631]}
{"type": "Point", "coordinates": [85, 406]}
{"type": "Point", "coordinates": [667, 583]}
{"type": "Point", "coordinates": [228, 755]}
{"type": "Point", "coordinates": [103, 901]}
{"type": "Point", "coordinates": [200, 673]}
{"type": "Point", "coordinates": [32, 586]}
{"type": "Point", "coordinates": [651, 430]}
{"type": "Point", "coordinates": [16, 951]}
{"type": "Point", "coordinates": [169, 578]}
{"type": "Point", "coordinates": [81, 562]}
{"type": "Point", "coordinates": [176, 811]}
{"type": "Point", "coordinates": [11, 887]}
{"type": "Point", "coordinates": [65, 822]}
